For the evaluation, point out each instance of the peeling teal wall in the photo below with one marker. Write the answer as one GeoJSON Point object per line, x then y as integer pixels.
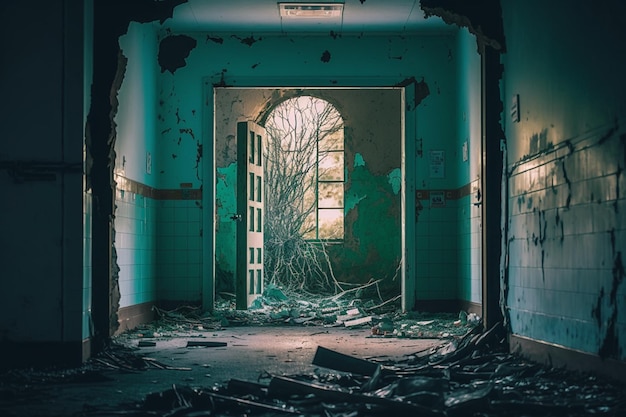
{"type": "Point", "coordinates": [429, 67]}
{"type": "Point", "coordinates": [185, 147]}
{"type": "Point", "coordinates": [566, 234]}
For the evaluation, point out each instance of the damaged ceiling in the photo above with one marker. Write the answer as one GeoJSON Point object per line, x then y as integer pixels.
{"type": "Point", "coordinates": [262, 15]}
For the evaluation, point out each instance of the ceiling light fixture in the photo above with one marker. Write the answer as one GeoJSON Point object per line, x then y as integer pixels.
{"type": "Point", "coordinates": [310, 10]}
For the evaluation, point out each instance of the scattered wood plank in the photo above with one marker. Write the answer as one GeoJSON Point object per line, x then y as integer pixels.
{"type": "Point", "coordinates": [358, 322]}
{"type": "Point", "coordinates": [251, 404]}
{"type": "Point", "coordinates": [331, 359]}
{"type": "Point", "coordinates": [205, 343]}
{"type": "Point", "coordinates": [283, 386]}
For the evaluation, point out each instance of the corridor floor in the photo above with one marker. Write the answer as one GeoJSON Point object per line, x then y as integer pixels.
{"type": "Point", "coordinates": [189, 374]}
{"type": "Point", "coordinates": [249, 353]}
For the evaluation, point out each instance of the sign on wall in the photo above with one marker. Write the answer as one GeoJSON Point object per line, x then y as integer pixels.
{"type": "Point", "coordinates": [437, 199]}
{"type": "Point", "coordinates": [437, 161]}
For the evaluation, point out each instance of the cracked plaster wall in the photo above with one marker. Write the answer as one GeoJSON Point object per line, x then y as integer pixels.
{"type": "Point", "coordinates": [565, 173]}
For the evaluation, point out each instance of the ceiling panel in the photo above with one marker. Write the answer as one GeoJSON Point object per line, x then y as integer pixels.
{"type": "Point", "coordinates": [263, 16]}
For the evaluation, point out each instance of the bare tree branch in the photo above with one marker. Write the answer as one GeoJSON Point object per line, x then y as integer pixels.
{"type": "Point", "coordinates": [300, 133]}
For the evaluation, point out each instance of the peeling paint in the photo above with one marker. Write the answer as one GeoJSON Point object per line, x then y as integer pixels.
{"type": "Point", "coordinates": [198, 159]}
{"type": "Point", "coordinates": [250, 40]}
{"type": "Point", "coordinates": [358, 160]}
{"type": "Point", "coordinates": [538, 142]}
{"type": "Point", "coordinates": [173, 50]}
{"type": "Point", "coordinates": [421, 91]}
{"type": "Point", "coordinates": [215, 39]}
{"type": "Point", "coordinates": [188, 131]}
{"type": "Point", "coordinates": [569, 186]}
{"type": "Point", "coordinates": [484, 22]}
{"type": "Point", "coordinates": [325, 56]}
{"type": "Point", "coordinates": [610, 344]}
{"type": "Point", "coordinates": [395, 179]}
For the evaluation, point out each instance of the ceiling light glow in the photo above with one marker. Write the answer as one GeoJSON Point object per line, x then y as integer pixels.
{"type": "Point", "coordinates": [310, 10]}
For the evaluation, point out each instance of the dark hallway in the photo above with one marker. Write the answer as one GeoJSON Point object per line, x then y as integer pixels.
{"type": "Point", "coordinates": [496, 190]}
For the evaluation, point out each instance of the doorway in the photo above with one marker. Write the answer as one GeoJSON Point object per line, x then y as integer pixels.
{"type": "Point", "coordinates": [372, 120]}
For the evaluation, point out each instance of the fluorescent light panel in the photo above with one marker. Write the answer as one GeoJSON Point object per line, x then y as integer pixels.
{"type": "Point", "coordinates": [310, 10]}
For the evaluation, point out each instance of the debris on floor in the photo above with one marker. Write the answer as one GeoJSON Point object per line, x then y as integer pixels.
{"type": "Point", "coordinates": [469, 376]}
{"type": "Point", "coordinates": [276, 308]}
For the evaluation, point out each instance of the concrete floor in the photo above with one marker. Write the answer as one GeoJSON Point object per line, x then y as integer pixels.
{"type": "Point", "coordinates": [249, 352]}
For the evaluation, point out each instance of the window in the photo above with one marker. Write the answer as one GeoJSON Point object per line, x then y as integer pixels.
{"type": "Point", "coordinates": [305, 168]}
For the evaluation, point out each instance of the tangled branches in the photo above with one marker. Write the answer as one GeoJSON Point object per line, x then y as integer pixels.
{"type": "Point", "coordinates": [298, 132]}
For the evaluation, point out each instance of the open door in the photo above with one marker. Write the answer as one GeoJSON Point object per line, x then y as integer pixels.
{"type": "Point", "coordinates": [250, 200]}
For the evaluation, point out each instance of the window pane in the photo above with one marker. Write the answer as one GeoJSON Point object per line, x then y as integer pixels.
{"type": "Point", "coordinates": [258, 281]}
{"type": "Point", "coordinates": [251, 151]}
{"type": "Point", "coordinates": [330, 195]}
{"type": "Point", "coordinates": [251, 285]}
{"type": "Point", "coordinates": [258, 150]}
{"type": "Point", "coordinates": [332, 141]}
{"type": "Point", "coordinates": [331, 223]}
{"type": "Point", "coordinates": [330, 166]}
{"type": "Point", "coordinates": [259, 219]}
{"type": "Point", "coordinates": [251, 220]}
{"type": "Point", "coordinates": [259, 188]}
{"type": "Point", "coordinates": [251, 255]}
{"type": "Point", "coordinates": [251, 185]}
{"type": "Point", "coordinates": [259, 256]}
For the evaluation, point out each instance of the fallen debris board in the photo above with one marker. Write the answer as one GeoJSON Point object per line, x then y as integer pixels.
{"type": "Point", "coordinates": [472, 397]}
{"type": "Point", "coordinates": [284, 386]}
{"type": "Point", "coordinates": [250, 404]}
{"type": "Point", "coordinates": [358, 322]}
{"type": "Point", "coordinates": [205, 343]}
{"type": "Point", "coordinates": [340, 362]}
{"type": "Point", "coordinates": [239, 386]}
{"type": "Point", "coordinates": [146, 343]}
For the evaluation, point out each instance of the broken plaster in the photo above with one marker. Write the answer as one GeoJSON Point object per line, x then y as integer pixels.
{"type": "Point", "coordinates": [173, 50]}
{"type": "Point", "coordinates": [484, 22]}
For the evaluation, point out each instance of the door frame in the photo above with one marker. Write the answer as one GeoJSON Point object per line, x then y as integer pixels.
{"type": "Point", "coordinates": [408, 140]}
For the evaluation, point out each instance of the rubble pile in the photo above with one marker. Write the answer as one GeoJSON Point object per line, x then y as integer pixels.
{"type": "Point", "coordinates": [275, 308]}
{"type": "Point", "coordinates": [468, 376]}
